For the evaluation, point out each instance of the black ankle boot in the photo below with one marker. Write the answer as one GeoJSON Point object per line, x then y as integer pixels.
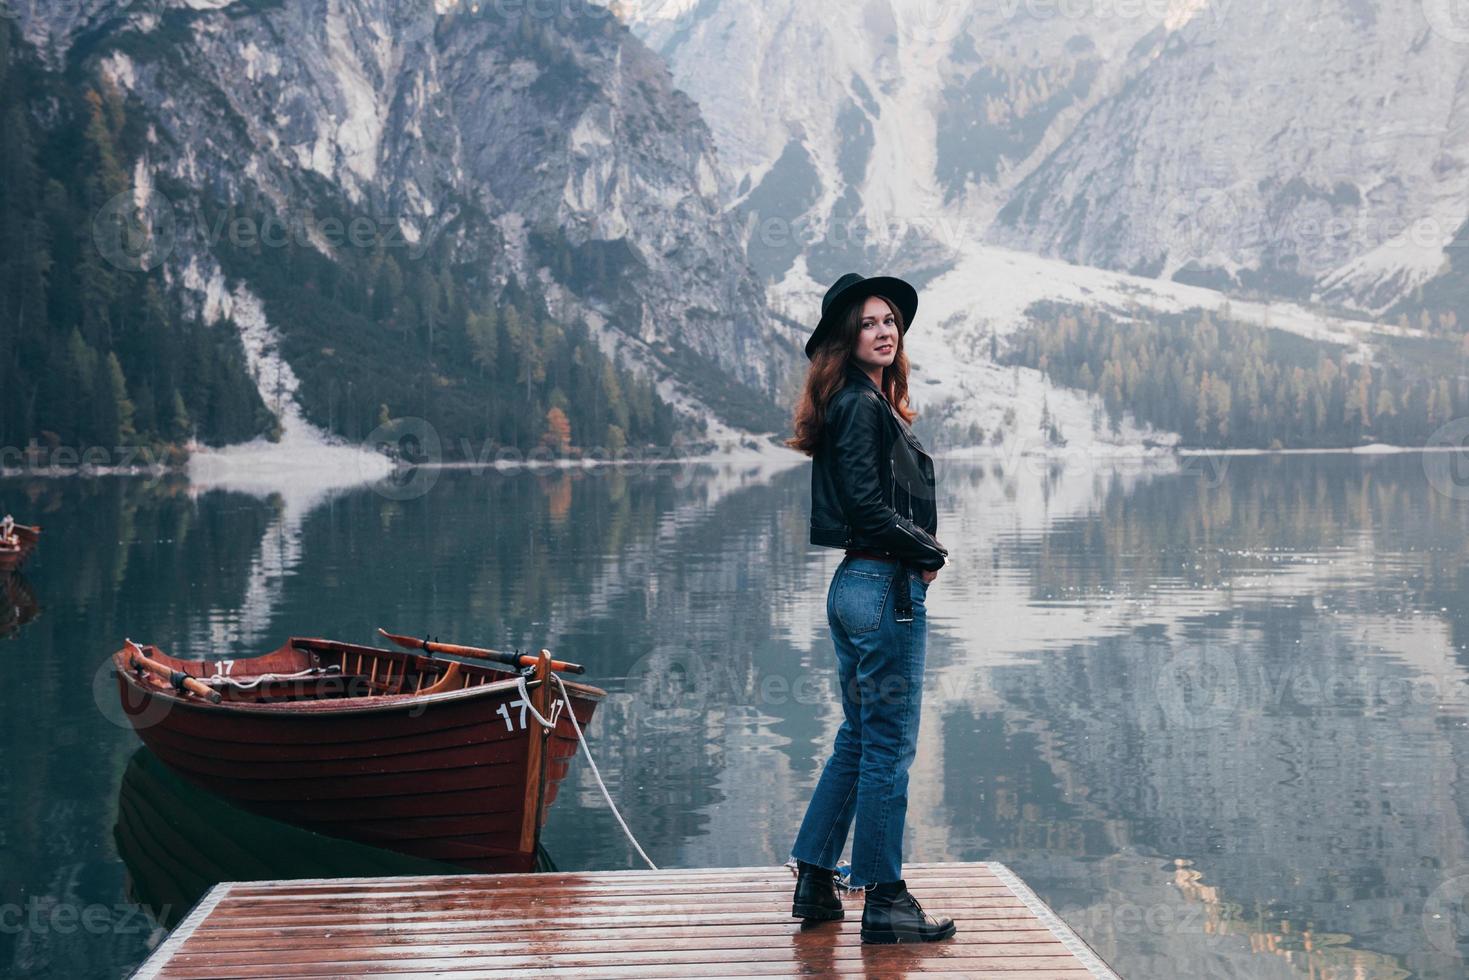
{"type": "Point", "coordinates": [816, 893]}
{"type": "Point", "coordinates": [892, 915]}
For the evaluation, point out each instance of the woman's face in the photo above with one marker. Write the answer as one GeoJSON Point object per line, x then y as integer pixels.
{"type": "Point", "coordinates": [877, 343]}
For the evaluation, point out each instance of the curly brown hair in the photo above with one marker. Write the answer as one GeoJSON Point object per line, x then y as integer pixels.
{"type": "Point", "coordinates": [827, 375]}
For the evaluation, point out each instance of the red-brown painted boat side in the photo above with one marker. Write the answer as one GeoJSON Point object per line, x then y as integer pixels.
{"type": "Point", "coordinates": [348, 786]}
{"type": "Point", "coordinates": [199, 758]}
{"type": "Point", "coordinates": [438, 775]}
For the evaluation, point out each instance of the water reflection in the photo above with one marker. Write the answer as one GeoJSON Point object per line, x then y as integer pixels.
{"type": "Point", "coordinates": [18, 605]}
{"type": "Point", "coordinates": [1214, 717]}
{"type": "Point", "coordinates": [177, 841]}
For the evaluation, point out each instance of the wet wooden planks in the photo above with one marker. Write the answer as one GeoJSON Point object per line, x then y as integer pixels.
{"type": "Point", "coordinates": [721, 922]}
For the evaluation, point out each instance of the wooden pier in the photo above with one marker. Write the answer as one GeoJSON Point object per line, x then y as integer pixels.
{"type": "Point", "coordinates": [724, 922]}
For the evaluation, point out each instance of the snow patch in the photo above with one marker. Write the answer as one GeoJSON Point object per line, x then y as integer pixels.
{"type": "Point", "coordinates": [357, 138]}
{"type": "Point", "coordinates": [119, 69]}
{"type": "Point", "coordinates": [998, 285]}
{"type": "Point", "coordinates": [1375, 281]}
{"type": "Point", "coordinates": [987, 297]}
{"type": "Point", "coordinates": [650, 11]}
{"type": "Point", "coordinates": [304, 456]}
{"type": "Point", "coordinates": [1181, 12]}
{"type": "Point", "coordinates": [259, 64]}
{"type": "Point", "coordinates": [142, 183]}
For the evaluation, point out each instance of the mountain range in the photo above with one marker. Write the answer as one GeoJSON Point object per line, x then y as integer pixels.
{"type": "Point", "coordinates": [678, 181]}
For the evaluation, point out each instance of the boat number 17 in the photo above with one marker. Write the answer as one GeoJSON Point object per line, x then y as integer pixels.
{"type": "Point", "coordinates": [519, 723]}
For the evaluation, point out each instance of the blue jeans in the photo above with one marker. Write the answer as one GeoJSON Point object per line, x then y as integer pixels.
{"type": "Point", "coordinates": [880, 671]}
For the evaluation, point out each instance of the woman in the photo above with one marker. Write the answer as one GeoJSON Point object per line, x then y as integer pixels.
{"type": "Point", "coordinates": [872, 494]}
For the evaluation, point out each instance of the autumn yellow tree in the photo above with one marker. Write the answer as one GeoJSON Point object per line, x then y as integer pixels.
{"type": "Point", "coordinates": [558, 430]}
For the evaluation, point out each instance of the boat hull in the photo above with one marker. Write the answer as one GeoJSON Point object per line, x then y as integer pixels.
{"type": "Point", "coordinates": [454, 777]}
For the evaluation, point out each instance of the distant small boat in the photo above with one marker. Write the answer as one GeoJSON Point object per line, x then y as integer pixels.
{"type": "Point", "coordinates": [17, 541]}
{"type": "Point", "coordinates": [407, 751]}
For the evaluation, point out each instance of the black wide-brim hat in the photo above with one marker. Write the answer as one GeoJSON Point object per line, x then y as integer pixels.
{"type": "Point", "coordinates": [852, 287]}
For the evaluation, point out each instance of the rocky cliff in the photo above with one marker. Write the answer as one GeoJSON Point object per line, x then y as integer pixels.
{"type": "Point", "coordinates": [524, 152]}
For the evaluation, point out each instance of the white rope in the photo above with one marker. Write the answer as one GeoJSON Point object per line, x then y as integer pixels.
{"type": "Point", "coordinates": [263, 678]}
{"type": "Point", "coordinates": [556, 706]}
{"type": "Point", "coordinates": [581, 740]}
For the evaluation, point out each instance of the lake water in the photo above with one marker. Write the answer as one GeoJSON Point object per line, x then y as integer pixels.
{"type": "Point", "coordinates": [1212, 711]}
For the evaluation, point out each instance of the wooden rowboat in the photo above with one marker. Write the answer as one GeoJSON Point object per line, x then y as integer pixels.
{"type": "Point", "coordinates": [16, 545]}
{"type": "Point", "coordinates": [434, 758]}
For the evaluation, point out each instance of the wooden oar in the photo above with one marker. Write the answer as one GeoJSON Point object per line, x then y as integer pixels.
{"type": "Point", "coordinates": [476, 653]}
{"type": "Point", "coordinates": [177, 678]}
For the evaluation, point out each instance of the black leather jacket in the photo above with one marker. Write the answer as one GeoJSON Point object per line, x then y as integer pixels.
{"type": "Point", "coordinates": [872, 485]}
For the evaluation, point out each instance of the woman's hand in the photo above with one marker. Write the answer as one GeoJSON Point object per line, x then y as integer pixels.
{"type": "Point", "coordinates": [928, 576]}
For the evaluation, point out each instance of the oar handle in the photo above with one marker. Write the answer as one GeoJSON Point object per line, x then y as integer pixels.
{"type": "Point", "coordinates": [476, 653]}
{"type": "Point", "coordinates": [180, 680]}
